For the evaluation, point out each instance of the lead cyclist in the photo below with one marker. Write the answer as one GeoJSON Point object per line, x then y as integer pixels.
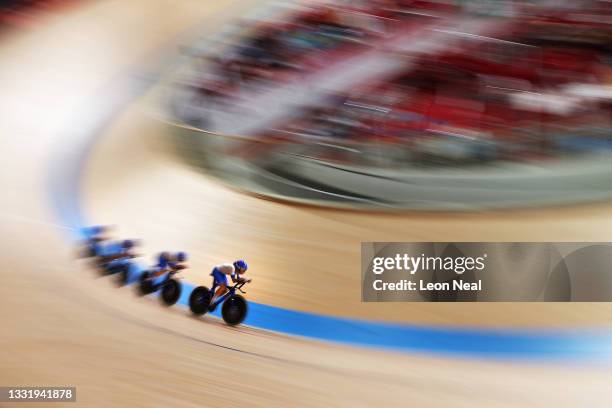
{"type": "Point", "coordinates": [220, 272]}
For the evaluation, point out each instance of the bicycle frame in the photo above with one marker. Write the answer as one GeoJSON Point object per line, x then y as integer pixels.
{"type": "Point", "coordinates": [230, 292]}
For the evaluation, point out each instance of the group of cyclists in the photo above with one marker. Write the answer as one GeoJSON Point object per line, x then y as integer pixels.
{"type": "Point", "coordinates": [114, 256]}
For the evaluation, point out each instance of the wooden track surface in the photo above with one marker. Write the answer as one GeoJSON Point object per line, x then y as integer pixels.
{"type": "Point", "coordinates": [64, 326]}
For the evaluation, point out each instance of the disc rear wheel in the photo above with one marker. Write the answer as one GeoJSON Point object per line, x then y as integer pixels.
{"type": "Point", "coordinates": [199, 300]}
{"type": "Point", "coordinates": [171, 292]}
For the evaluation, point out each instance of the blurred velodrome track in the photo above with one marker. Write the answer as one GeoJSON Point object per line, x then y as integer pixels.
{"type": "Point", "coordinates": [88, 73]}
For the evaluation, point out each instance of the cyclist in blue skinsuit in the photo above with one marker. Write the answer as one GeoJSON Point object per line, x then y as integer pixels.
{"type": "Point", "coordinates": [96, 236]}
{"type": "Point", "coordinates": [168, 263]}
{"type": "Point", "coordinates": [220, 273]}
{"type": "Point", "coordinates": [119, 255]}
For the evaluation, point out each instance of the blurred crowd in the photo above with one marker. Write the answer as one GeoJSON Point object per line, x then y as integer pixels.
{"type": "Point", "coordinates": [24, 13]}
{"type": "Point", "coordinates": [311, 39]}
{"type": "Point", "coordinates": [541, 88]}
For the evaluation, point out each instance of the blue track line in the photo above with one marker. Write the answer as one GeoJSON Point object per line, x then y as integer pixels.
{"type": "Point", "coordinates": [458, 342]}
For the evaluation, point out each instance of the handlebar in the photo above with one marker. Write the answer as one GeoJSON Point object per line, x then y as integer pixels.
{"type": "Point", "coordinates": [238, 286]}
{"type": "Point", "coordinates": [176, 269]}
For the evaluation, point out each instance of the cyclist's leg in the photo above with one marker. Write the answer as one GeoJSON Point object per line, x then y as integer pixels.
{"type": "Point", "coordinates": [221, 290]}
{"type": "Point", "coordinates": [219, 285]}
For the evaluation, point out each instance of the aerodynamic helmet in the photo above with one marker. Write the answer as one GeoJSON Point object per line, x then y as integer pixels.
{"type": "Point", "coordinates": [241, 265]}
{"type": "Point", "coordinates": [181, 257]}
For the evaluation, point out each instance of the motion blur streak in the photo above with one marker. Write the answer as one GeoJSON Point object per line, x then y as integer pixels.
{"type": "Point", "coordinates": [63, 327]}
